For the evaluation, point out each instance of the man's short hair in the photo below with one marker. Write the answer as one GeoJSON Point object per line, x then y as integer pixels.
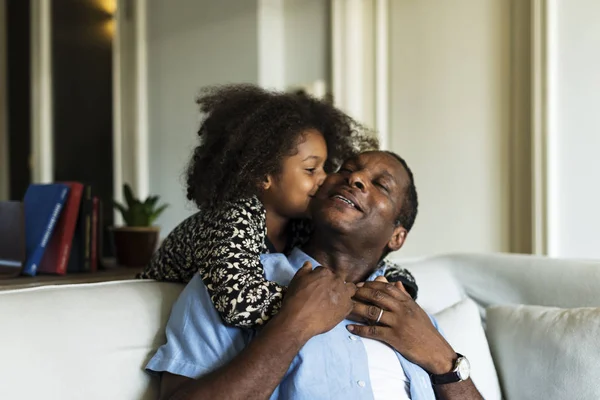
{"type": "Point", "coordinates": [410, 204]}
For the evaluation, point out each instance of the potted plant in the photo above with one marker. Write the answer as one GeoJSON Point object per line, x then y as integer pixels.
{"type": "Point", "coordinates": [136, 241]}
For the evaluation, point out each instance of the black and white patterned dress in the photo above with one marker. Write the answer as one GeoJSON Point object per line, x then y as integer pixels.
{"type": "Point", "coordinates": [224, 246]}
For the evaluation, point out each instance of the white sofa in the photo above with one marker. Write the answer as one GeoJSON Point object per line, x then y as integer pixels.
{"type": "Point", "coordinates": [91, 341]}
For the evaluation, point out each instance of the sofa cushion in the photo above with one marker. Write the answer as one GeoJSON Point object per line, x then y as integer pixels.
{"type": "Point", "coordinates": [82, 341]}
{"type": "Point", "coordinates": [438, 288]}
{"type": "Point", "coordinates": [505, 279]}
{"type": "Point", "coordinates": [546, 353]}
{"type": "Point", "coordinates": [461, 325]}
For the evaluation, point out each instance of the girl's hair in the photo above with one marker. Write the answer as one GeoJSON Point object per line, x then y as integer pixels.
{"type": "Point", "coordinates": [247, 132]}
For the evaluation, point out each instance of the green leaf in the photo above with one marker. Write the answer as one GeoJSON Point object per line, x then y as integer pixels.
{"type": "Point", "coordinates": [123, 210]}
{"type": "Point", "coordinates": [151, 201]}
{"type": "Point", "coordinates": [138, 216]}
{"type": "Point", "coordinates": [147, 208]}
{"type": "Point", "coordinates": [129, 195]}
{"type": "Point", "coordinates": [156, 214]}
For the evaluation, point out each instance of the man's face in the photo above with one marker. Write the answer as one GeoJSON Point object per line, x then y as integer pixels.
{"type": "Point", "coordinates": [363, 199]}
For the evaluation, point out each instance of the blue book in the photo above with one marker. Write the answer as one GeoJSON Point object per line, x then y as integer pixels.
{"type": "Point", "coordinates": [43, 205]}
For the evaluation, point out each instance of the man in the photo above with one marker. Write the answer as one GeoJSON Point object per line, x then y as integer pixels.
{"type": "Point", "coordinates": [309, 350]}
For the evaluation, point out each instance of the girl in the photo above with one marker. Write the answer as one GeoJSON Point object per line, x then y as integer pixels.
{"type": "Point", "coordinates": [262, 157]}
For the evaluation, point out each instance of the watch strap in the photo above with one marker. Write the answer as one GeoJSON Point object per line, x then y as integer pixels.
{"type": "Point", "coordinates": [450, 377]}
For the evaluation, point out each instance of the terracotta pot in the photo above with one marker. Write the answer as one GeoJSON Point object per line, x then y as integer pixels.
{"type": "Point", "coordinates": [134, 246]}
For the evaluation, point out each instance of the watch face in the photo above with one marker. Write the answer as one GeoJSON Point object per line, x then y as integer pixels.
{"type": "Point", "coordinates": [463, 369]}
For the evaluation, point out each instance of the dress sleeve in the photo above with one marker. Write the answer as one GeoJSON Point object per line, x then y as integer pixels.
{"type": "Point", "coordinates": [228, 248]}
{"type": "Point", "coordinates": [395, 273]}
{"type": "Point", "coordinates": [174, 259]}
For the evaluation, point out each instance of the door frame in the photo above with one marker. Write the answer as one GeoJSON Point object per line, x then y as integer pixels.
{"type": "Point", "coordinates": [42, 143]}
{"type": "Point", "coordinates": [360, 64]}
{"type": "Point", "coordinates": [130, 99]}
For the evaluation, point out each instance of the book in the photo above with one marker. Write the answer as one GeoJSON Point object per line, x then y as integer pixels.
{"type": "Point", "coordinates": [57, 254]}
{"type": "Point", "coordinates": [43, 205]}
{"type": "Point", "coordinates": [79, 260]}
{"type": "Point", "coordinates": [75, 258]}
{"type": "Point", "coordinates": [100, 234]}
{"type": "Point", "coordinates": [87, 239]}
{"type": "Point", "coordinates": [94, 245]}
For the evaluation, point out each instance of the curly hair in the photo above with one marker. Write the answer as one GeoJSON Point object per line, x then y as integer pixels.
{"type": "Point", "coordinates": [248, 131]}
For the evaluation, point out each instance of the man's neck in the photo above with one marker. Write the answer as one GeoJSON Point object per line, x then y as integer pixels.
{"type": "Point", "coordinates": [351, 263]}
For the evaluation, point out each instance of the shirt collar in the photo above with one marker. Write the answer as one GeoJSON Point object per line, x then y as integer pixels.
{"type": "Point", "coordinates": [297, 258]}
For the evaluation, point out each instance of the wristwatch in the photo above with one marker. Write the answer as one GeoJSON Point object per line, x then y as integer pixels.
{"type": "Point", "coordinates": [461, 372]}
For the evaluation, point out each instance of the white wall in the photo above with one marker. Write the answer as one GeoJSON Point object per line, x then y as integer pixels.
{"type": "Point", "coordinates": [450, 119]}
{"type": "Point", "coordinates": [307, 41]}
{"type": "Point", "coordinates": [191, 44]}
{"type": "Point", "coordinates": [294, 43]}
{"type": "Point", "coordinates": [574, 129]}
{"type": "Point", "coordinates": [271, 44]}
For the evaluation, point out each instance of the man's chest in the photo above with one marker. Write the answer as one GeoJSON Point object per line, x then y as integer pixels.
{"type": "Point", "coordinates": [334, 365]}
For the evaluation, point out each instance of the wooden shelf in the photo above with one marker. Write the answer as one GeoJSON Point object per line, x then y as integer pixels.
{"type": "Point", "coordinates": [112, 272]}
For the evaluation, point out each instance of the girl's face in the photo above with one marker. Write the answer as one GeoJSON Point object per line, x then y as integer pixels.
{"type": "Point", "coordinates": [289, 194]}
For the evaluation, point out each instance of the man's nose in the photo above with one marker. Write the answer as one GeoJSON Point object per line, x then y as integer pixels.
{"type": "Point", "coordinates": [356, 181]}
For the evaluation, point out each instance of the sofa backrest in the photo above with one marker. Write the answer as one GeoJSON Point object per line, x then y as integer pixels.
{"type": "Point", "coordinates": [499, 279]}
{"type": "Point", "coordinates": [82, 341]}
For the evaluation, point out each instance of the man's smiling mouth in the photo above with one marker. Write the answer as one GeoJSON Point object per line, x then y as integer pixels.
{"type": "Point", "coordinates": [345, 200]}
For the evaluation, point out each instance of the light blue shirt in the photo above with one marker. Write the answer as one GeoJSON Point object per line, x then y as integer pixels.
{"type": "Point", "coordinates": [332, 365]}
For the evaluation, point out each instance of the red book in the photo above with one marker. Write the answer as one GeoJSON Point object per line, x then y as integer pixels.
{"type": "Point", "coordinates": [94, 255]}
{"type": "Point", "coordinates": [57, 253]}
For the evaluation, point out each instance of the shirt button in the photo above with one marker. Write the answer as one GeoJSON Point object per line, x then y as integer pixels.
{"type": "Point", "coordinates": [362, 384]}
{"type": "Point", "coordinates": [352, 337]}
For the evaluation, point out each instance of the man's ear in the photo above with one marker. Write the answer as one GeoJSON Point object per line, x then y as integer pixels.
{"type": "Point", "coordinates": [398, 238]}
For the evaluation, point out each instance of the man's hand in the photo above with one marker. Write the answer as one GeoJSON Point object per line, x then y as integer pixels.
{"type": "Point", "coordinates": [403, 325]}
{"type": "Point", "coordinates": [316, 300]}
